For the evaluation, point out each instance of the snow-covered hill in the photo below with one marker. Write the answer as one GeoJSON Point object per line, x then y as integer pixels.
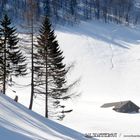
{"type": "Point", "coordinates": [107, 58]}
{"type": "Point", "coordinates": [19, 123]}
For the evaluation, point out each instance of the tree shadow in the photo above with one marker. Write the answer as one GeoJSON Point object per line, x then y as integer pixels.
{"type": "Point", "coordinates": [117, 35]}
{"type": "Point", "coordinates": [34, 122]}
{"type": "Point", "coordinates": [6, 134]}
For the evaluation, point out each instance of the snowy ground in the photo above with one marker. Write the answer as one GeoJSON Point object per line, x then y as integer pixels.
{"type": "Point", "coordinates": [107, 58]}
{"type": "Point", "coordinates": [19, 123]}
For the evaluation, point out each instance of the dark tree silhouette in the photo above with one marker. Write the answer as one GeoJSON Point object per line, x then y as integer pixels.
{"type": "Point", "coordinates": [51, 71]}
{"type": "Point", "coordinates": [12, 61]}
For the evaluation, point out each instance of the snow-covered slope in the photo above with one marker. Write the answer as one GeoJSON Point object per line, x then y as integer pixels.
{"type": "Point", "coordinates": [107, 58]}
{"type": "Point", "coordinates": [19, 123]}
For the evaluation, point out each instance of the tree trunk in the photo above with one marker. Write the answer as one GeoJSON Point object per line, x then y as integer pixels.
{"type": "Point", "coordinates": [46, 107]}
{"type": "Point", "coordinates": [32, 67]}
{"type": "Point", "coordinates": [4, 75]}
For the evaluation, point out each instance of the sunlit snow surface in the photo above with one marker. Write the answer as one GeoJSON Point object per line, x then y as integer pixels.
{"type": "Point", "coordinates": [19, 123]}
{"type": "Point", "coordinates": [107, 59]}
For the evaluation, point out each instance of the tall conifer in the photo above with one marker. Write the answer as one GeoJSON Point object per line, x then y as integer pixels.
{"type": "Point", "coordinates": [50, 70]}
{"type": "Point", "coordinates": [12, 61]}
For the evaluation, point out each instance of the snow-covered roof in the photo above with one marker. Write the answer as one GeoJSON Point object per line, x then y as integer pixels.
{"type": "Point", "coordinates": [118, 104]}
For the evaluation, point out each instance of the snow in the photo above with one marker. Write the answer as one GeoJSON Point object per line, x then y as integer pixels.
{"type": "Point", "coordinates": [19, 123]}
{"type": "Point", "coordinates": [107, 59]}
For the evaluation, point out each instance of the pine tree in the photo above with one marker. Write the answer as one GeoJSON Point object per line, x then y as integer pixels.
{"type": "Point", "coordinates": [31, 16]}
{"type": "Point", "coordinates": [12, 61]}
{"type": "Point", "coordinates": [51, 71]}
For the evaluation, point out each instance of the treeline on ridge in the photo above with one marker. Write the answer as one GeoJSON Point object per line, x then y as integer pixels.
{"type": "Point", "coordinates": [73, 11]}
